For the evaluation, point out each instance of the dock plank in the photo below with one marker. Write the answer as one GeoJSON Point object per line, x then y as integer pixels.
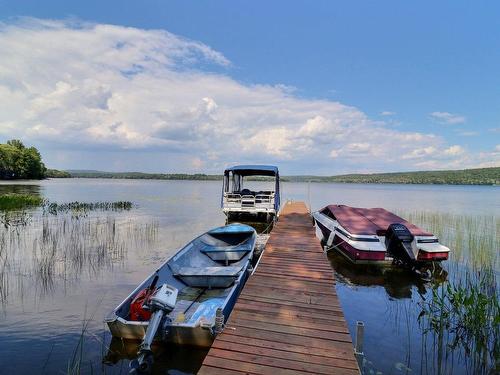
{"type": "Point", "coordinates": [288, 319]}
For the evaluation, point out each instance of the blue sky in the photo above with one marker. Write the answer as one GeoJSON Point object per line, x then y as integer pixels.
{"type": "Point", "coordinates": [427, 68]}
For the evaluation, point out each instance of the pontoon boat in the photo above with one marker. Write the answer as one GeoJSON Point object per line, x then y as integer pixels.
{"type": "Point", "coordinates": [239, 201]}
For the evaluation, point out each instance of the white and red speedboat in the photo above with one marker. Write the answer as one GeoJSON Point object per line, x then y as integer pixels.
{"type": "Point", "coordinates": [373, 235]}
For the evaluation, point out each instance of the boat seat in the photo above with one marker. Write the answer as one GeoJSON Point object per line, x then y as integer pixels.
{"type": "Point", "coordinates": [208, 271]}
{"type": "Point", "coordinates": [222, 254]}
{"type": "Point", "coordinates": [208, 277]}
{"type": "Point", "coordinates": [211, 249]}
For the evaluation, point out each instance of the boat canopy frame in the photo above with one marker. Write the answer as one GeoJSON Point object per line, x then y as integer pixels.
{"type": "Point", "coordinates": [233, 177]}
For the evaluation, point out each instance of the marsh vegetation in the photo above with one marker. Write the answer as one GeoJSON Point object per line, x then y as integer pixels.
{"type": "Point", "coordinates": [459, 318]}
{"type": "Point", "coordinates": [11, 202]}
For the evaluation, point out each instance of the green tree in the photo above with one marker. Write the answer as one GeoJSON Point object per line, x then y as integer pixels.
{"type": "Point", "coordinates": [20, 162]}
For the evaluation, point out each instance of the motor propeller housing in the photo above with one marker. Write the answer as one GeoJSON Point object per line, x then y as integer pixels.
{"type": "Point", "coordinates": [398, 240]}
{"type": "Point", "coordinates": [160, 304]}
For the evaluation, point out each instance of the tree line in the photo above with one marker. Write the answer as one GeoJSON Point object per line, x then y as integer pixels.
{"type": "Point", "coordinates": [478, 176]}
{"type": "Point", "coordinates": [20, 162]}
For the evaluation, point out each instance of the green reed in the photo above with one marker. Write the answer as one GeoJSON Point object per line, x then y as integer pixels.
{"type": "Point", "coordinates": [461, 317]}
{"type": "Point", "coordinates": [13, 201]}
{"type": "Point", "coordinates": [473, 239]}
{"type": "Point", "coordinates": [51, 248]}
{"type": "Point", "coordinates": [468, 312]}
{"type": "Point", "coordinates": [84, 207]}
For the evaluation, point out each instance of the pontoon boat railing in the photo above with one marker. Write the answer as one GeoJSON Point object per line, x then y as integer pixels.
{"type": "Point", "coordinates": [234, 200]}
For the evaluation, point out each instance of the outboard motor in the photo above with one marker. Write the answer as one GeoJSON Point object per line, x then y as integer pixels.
{"type": "Point", "coordinates": [398, 239]}
{"type": "Point", "coordinates": [160, 304]}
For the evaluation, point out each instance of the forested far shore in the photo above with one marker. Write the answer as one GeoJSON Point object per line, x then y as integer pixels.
{"type": "Point", "coordinates": [20, 162]}
{"type": "Point", "coordinates": [478, 176]}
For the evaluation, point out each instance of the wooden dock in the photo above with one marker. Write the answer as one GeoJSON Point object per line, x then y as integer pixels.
{"type": "Point", "coordinates": [288, 319]}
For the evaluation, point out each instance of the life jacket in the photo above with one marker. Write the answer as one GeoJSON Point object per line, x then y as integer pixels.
{"type": "Point", "coordinates": [137, 312]}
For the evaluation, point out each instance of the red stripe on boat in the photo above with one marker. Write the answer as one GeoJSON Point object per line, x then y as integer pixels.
{"type": "Point", "coordinates": [424, 255]}
{"type": "Point", "coordinates": [355, 254]}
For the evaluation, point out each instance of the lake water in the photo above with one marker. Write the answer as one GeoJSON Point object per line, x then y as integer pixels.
{"type": "Point", "coordinates": [61, 273]}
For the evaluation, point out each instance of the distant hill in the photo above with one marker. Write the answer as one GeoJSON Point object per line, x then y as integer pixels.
{"type": "Point", "coordinates": [479, 176]}
{"type": "Point", "coordinates": [141, 175]}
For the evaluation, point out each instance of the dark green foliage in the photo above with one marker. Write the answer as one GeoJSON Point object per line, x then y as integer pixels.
{"type": "Point", "coordinates": [54, 173]}
{"type": "Point", "coordinates": [20, 162]}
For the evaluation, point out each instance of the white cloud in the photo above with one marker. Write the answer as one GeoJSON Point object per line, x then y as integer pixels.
{"type": "Point", "coordinates": [102, 96]}
{"type": "Point", "coordinates": [334, 154]}
{"type": "Point", "coordinates": [454, 150]}
{"type": "Point", "coordinates": [447, 118]}
{"type": "Point", "coordinates": [387, 113]}
{"type": "Point", "coordinates": [420, 153]}
{"type": "Point", "coordinates": [468, 133]}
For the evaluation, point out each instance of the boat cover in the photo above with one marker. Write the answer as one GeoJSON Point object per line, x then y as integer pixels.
{"type": "Point", "coordinates": [370, 221]}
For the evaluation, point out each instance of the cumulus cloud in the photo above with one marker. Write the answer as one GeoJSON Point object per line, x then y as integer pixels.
{"type": "Point", "coordinates": [447, 118]}
{"type": "Point", "coordinates": [454, 150]}
{"type": "Point", "coordinates": [110, 97]}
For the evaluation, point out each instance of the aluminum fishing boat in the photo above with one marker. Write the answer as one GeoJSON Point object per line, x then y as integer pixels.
{"type": "Point", "coordinates": [194, 291]}
{"type": "Point", "coordinates": [375, 235]}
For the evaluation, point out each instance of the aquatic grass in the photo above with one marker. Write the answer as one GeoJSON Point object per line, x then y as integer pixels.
{"type": "Point", "coordinates": [474, 240]}
{"type": "Point", "coordinates": [75, 365]}
{"type": "Point", "coordinates": [460, 318]}
{"type": "Point", "coordinates": [468, 312]}
{"type": "Point", "coordinates": [55, 208]}
{"type": "Point", "coordinates": [52, 248]}
{"type": "Point", "coordinates": [14, 201]}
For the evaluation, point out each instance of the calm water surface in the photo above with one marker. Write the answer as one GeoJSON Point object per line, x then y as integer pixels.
{"type": "Point", "coordinates": [61, 273]}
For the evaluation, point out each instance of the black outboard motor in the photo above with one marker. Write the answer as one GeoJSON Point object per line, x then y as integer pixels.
{"type": "Point", "coordinates": [398, 239]}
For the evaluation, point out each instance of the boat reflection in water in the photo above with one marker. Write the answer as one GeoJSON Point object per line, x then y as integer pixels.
{"type": "Point", "coordinates": [397, 282]}
{"type": "Point", "coordinates": [168, 358]}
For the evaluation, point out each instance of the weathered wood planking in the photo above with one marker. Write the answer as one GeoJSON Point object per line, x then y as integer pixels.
{"type": "Point", "coordinates": [288, 319]}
